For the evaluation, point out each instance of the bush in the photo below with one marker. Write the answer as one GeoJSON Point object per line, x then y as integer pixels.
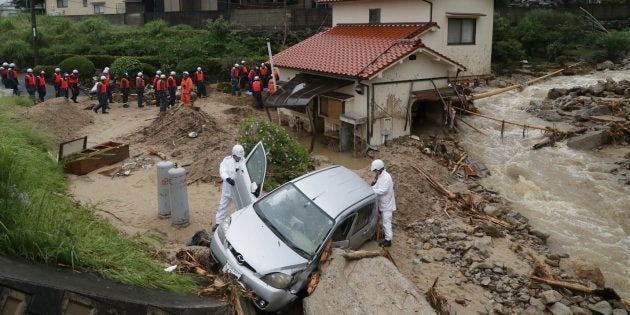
{"type": "Point", "coordinates": [191, 64]}
{"type": "Point", "coordinates": [617, 44]}
{"type": "Point", "coordinates": [286, 157]}
{"type": "Point", "coordinates": [148, 70]}
{"type": "Point", "coordinates": [53, 59]}
{"type": "Point", "coordinates": [17, 51]}
{"type": "Point", "coordinates": [507, 50]}
{"type": "Point", "coordinates": [95, 27]}
{"type": "Point", "coordinates": [540, 28]}
{"type": "Point", "coordinates": [122, 65]}
{"type": "Point", "coordinates": [101, 61]}
{"type": "Point", "coordinates": [48, 69]}
{"type": "Point", "coordinates": [84, 65]}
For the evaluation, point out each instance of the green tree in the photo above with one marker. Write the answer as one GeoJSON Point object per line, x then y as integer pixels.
{"type": "Point", "coordinates": [504, 47]}
{"type": "Point", "coordinates": [541, 28]}
{"type": "Point", "coordinates": [129, 65]}
{"type": "Point", "coordinates": [286, 157]}
{"type": "Point", "coordinates": [617, 44]}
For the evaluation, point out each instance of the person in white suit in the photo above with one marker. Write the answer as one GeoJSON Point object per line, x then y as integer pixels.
{"type": "Point", "coordinates": [227, 170]}
{"type": "Point", "coordinates": [383, 186]}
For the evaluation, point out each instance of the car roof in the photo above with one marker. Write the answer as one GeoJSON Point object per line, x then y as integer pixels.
{"type": "Point", "coordinates": [334, 189]}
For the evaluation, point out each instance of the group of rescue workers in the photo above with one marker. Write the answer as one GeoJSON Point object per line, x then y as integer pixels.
{"type": "Point", "coordinates": [254, 80]}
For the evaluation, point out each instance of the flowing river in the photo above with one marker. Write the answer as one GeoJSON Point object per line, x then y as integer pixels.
{"type": "Point", "coordinates": [566, 192]}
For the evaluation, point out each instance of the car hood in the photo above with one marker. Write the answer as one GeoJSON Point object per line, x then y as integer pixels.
{"type": "Point", "coordinates": [259, 246]}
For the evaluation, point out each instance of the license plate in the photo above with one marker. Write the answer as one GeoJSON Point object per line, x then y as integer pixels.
{"type": "Point", "coordinates": [230, 270]}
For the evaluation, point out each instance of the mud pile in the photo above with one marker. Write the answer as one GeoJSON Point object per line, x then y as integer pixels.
{"type": "Point", "coordinates": [60, 118]}
{"type": "Point", "coordinates": [191, 138]}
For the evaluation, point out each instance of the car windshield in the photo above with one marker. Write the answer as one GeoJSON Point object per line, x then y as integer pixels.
{"type": "Point", "coordinates": [295, 219]}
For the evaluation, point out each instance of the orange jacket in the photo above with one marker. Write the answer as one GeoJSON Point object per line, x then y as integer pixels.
{"type": "Point", "coordinates": [199, 76]}
{"type": "Point", "coordinates": [57, 77]}
{"type": "Point", "coordinates": [271, 87]}
{"type": "Point", "coordinates": [41, 81]}
{"type": "Point", "coordinates": [30, 80]}
{"type": "Point", "coordinates": [64, 83]}
{"type": "Point", "coordinates": [187, 85]}
{"type": "Point", "coordinates": [257, 86]}
{"type": "Point", "coordinates": [170, 82]}
{"type": "Point", "coordinates": [73, 79]}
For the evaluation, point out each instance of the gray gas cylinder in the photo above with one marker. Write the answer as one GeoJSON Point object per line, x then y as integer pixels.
{"type": "Point", "coordinates": [163, 189]}
{"type": "Point", "coordinates": [179, 196]}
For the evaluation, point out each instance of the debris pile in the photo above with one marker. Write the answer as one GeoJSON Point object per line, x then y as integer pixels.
{"type": "Point", "coordinates": [191, 138]}
{"type": "Point", "coordinates": [130, 166]}
{"type": "Point", "coordinates": [59, 117]}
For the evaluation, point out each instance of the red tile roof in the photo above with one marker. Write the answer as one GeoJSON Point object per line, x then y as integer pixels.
{"type": "Point", "coordinates": [354, 50]}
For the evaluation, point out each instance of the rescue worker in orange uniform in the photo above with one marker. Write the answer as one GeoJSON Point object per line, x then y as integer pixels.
{"type": "Point", "coordinates": [160, 92]}
{"type": "Point", "coordinates": [243, 77]}
{"type": "Point", "coordinates": [29, 83]}
{"type": "Point", "coordinates": [40, 81]}
{"type": "Point", "coordinates": [234, 74]}
{"type": "Point", "coordinates": [140, 89]}
{"type": "Point", "coordinates": [257, 92]}
{"type": "Point", "coordinates": [12, 79]}
{"type": "Point", "coordinates": [125, 85]}
{"type": "Point", "coordinates": [154, 83]}
{"type": "Point", "coordinates": [171, 87]}
{"type": "Point", "coordinates": [201, 87]}
{"type": "Point", "coordinates": [264, 74]}
{"type": "Point", "coordinates": [276, 75]}
{"type": "Point", "coordinates": [3, 74]}
{"type": "Point", "coordinates": [108, 83]}
{"type": "Point", "coordinates": [101, 92]}
{"type": "Point", "coordinates": [63, 86]}
{"type": "Point", "coordinates": [187, 85]}
{"type": "Point", "coordinates": [73, 81]}
{"type": "Point", "coordinates": [250, 77]}
{"type": "Point", "coordinates": [271, 86]}
{"type": "Point", "coordinates": [57, 81]}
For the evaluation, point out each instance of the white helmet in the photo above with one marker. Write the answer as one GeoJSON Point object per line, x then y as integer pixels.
{"type": "Point", "coordinates": [262, 64]}
{"type": "Point", "coordinates": [57, 69]}
{"type": "Point", "coordinates": [236, 65]}
{"type": "Point", "coordinates": [185, 73]}
{"type": "Point", "coordinates": [377, 165]}
{"type": "Point", "coordinates": [139, 74]}
{"type": "Point", "coordinates": [103, 78]}
{"type": "Point", "coordinates": [29, 70]}
{"type": "Point", "coordinates": [172, 72]}
{"type": "Point", "coordinates": [158, 72]}
{"type": "Point", "coordinates": [242, 61]}
{"type": "Point", "coordinates": [198, 68]}
{"type": "Point", "coordinates": [106, 68]}
{"type": "Point", "coordinates": [237, 150]}
{"type": "Point", "coordinates": [42, 72]}
{"type": "Point", "coordinates": [106, 71]}
{"type": "Point", "coordinates": [256, 78]}
{"type": "Point", "coordinates": [5, 64]}
{"type": "Point", "coordinates": [75, 71]}
{"type": "Point", "coordinates": [162, 76]}
{"type": "Point", "coordinates": [12, 65]}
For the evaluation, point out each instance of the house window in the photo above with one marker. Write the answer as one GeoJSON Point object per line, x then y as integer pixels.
{"type": "Point", "coordinates": [375, 16]}
{"type": "Point", "coordinates": [62, 3]}
{"type": "Point", "coordinates": [85, 3]}
{"type": "Point", "coordinates": [99, 8]}
{"type": "Point", "coordinates": [461, 31]}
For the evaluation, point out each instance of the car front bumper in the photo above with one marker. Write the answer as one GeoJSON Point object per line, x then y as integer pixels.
{"type": "Point", "coordinates": [274, 298]}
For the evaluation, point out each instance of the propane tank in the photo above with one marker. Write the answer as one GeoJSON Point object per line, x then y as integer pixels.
{"type": "Point", "coordinates": [163, 189]}
{"type": "Point", "coordinates": [179, 196]}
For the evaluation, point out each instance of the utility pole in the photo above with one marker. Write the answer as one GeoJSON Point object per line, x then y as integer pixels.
{"type": "Point", "coordinates": [34, 26]}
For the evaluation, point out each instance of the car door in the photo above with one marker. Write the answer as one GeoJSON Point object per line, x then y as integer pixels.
{"type": "Point", "coordinates": [364, 226]}
{"type": "Point", "coordinates": [250, 178]}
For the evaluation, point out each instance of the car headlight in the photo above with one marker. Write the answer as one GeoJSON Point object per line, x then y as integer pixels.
{"type": "Point", "coordinates": [223, 228]}
{"type": "Point", "coordinates": [277, 280]}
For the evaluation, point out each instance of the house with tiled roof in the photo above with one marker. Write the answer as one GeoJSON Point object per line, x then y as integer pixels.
{"type": "Point", "coordinates": [385, 68]}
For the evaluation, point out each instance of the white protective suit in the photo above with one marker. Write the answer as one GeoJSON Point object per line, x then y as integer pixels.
{"type": "Point", "coordinates": [227, 169]}
{"type": "Point", "coordinates": [384, 188]}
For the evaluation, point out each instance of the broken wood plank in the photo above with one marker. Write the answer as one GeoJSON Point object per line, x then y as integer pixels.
{"type": "Point", "coordinates": [607, 118]}
{"type": "Point", "coordinates": [158, 154]}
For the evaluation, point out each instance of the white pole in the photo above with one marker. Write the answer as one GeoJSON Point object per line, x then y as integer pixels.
{"type": "Point", "coordinates": [275, 84]}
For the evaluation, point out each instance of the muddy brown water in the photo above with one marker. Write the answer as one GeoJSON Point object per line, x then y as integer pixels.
{"type": "Point", "coordinates": [569, 193]}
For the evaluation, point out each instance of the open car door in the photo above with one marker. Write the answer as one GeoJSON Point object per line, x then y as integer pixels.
{"type": "Point", "coordinates": [251, 177]}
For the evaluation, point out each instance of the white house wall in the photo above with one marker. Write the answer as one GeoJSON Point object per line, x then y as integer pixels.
{"type": "Point", "coordinates": [75, 7]}
{"type": "Point", "coordinates": [476, 58]}
{"type": "Point", "coordinates": [392, 11]}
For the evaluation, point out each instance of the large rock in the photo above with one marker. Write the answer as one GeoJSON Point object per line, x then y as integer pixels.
{"type": "Point", "coordinates": [556, 93]}
{"type": "Point", "coordinates": [602, 307]}
{"type": "Point", "coordinates": [597, 89]}
{"type": "Point", "coordinates": [589, 140]}
{"type": "Point", "coordinates": [582, 270]}
{"type": "Point", "coordinates": [559, 309]}
{"type": "Point", "coordinates": [576, 310]}
{"type": "Point", "coordinates": [550, 297]}
{"type": "Point", "coordinates": [585, 114]}
{"type": "Point", "coordinates": [365, 286]}
{"type": "Point", "coordinates": [549, 115]}
{"type": "Point", "coordinates": [606, 65]}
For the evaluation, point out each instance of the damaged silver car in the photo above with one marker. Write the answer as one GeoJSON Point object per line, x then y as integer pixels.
{"type": "Point", "coordinates": [272, 245]}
